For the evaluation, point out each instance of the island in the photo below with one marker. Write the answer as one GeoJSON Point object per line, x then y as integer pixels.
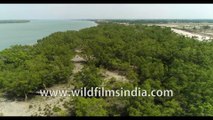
{"type": "Point", "coordinates": [116, 57]}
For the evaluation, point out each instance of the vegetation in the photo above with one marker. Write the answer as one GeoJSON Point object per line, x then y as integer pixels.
{"type": "Point", "coordinates": [158, 21]}
{"type": "Point", "coordinates": [205, 27]}
{"type": "Point", "coordinates": [151, 57]}
{"type": "Point", "coordinates": [25, 69]}
{"type": "Point", "coordinates": [90, 107]}
{"type": "Point", "coordinates": [89, 77]}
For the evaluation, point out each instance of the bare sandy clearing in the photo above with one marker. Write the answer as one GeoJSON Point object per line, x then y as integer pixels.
{"type": "Point", "coordinates": [112, 74]}
{"type": "Point", "coordinates": [191, 35]}
{"type": "Point", "coordinates": [36, 105]}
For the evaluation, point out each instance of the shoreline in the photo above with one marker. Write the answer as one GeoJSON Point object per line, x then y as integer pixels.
{"type": "Point", "coordinates": [191, 35]}
{"type": "Point", "coordinates": [31, 44]}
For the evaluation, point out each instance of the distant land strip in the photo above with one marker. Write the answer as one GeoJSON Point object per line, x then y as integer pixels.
{"type": "Point", "coordinates": [14, 21]}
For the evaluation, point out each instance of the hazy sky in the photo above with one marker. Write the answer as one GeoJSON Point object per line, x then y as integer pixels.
{"type": "Point", "coordinates": [106, 11]}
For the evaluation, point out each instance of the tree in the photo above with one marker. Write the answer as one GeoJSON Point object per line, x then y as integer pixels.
{"type": "Point", "coordinates": [90, 107]}
{"type": "Point", "coordinates": [90, 77]}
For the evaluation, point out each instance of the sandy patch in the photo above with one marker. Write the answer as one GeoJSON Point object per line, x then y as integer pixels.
{"type": "Point", "coordinates": [112, 74]}
{"type": "Point", "coordinates": [191, 35]}
{"type": "Point", "coordinates": [36, 105]}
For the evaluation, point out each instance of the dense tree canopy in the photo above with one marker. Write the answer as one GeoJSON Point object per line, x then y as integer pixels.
{"type": "Point", "coordinates": [150, 57]}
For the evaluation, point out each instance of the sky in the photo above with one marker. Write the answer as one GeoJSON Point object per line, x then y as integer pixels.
{"type": "Point", "coordinates": [106, 11]}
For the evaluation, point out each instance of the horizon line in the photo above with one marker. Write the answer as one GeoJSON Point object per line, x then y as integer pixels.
{"type": "Point", "coordinates": [114, 19]}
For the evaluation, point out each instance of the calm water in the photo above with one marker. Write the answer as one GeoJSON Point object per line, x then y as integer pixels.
{"type": "Point", "coordinates": [29, 33]}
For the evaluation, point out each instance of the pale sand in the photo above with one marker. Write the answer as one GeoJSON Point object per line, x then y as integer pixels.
{"type": "Point", "coordinates": [112, 74]}
{"type": "Point", "coordinates": [182, 32]}
{"type": "Point", "coordinates": [22, 108]}
{"type": "Point", "coordinates": [188, 34]}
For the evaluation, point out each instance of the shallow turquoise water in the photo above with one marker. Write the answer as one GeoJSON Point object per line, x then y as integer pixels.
{"type": "Point", "coordinates": [29, 33]}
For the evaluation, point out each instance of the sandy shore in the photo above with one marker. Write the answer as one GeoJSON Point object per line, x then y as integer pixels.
{"type": "Point", "coordinates": [191, 35]}
{"type": "Point", "coordinates": [173, 27]}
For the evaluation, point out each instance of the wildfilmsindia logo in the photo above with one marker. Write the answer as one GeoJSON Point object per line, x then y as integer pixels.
{"type": "Point", "coordinates": [102, 92]}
